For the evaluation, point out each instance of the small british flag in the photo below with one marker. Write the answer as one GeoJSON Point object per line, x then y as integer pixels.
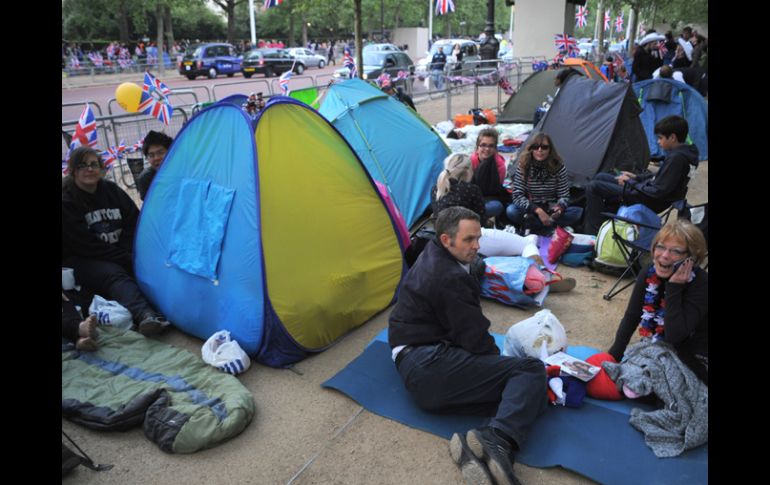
{"type": "Point", "coordinates": [607, 20]}
{"type": "Point", "coordinates": [85, 130]}
{"type": "Point", "coordinates": [443, 7]}
{"type": "Point", "coordinates": [565, 43]}
{"type": "Point", "coordinates": [283, 83]}
{"type": "Point", "coordinates": [347, 61]}
{"type": "Point", "coordinates": [580, 16]}
{"type": "Point", "coordinates": [619, 23]}
{"type": "Point", "coordinates": [113, 154]}
{"type": "Point", "coordinates": [272, 3]}
{"type": "Point", "coordinates": [158, 107]}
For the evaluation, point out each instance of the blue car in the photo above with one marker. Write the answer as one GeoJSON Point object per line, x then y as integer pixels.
{"type": "Point", "coordinates": [210, 60]}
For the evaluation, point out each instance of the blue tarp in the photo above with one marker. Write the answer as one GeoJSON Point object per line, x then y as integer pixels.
{"type": "Point", "coordinates": [684, 101]}
{"type": "Point", "coordinates": [397, 147]}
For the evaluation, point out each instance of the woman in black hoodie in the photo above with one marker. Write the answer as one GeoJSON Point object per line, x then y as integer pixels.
{"type": "Point", "coordinates": [98, 225]}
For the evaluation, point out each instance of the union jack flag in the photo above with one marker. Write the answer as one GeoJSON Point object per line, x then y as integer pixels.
{"type": "Point", "coordinates": [64, 168]}
{"type": "Point", "coordinates": [607, 20]}
{"type": "Point", "coordinates": [580, 16]}
{"type": "Point", "coordinates": [662, 48]}
{"type": "Point", "coordinates": [149, 104]}
{"type": "Point", "coordinates": [383, 79]}
{"type": "Point", "coordinates": [113, 154]}
{"type": "Point", "coordinates": [565, 43]}
{"type": "Point", "coordinates": [443, 7]}
{"type": "Point", "coordinates": [347, 61]}
{"type": "Point", "coordinates": [85, 131]}
{"type": "Point", "coordinates": [402, 75]}
{"type": "Point", "coordinates": [96, 58]}
{"type": "Point", "coordinates": [75, 62]}
{"type": "Point", "coordinates": [272, 3]}
{"type": "Point", "coordinates": [619, 23]}
{"type": "Point", "coordinates": [283, 82]}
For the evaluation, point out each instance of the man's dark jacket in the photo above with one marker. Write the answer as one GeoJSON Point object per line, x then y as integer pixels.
{"type": "Point", "coordinates": [440, 301]}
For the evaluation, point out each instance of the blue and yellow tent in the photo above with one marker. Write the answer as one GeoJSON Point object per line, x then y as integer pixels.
{"type": "Point", "coordinates": [397, 147]}
{"type": "Point", "coordinates": [664, 97]}
{"type": "Point", "coordinates": [272, 230]}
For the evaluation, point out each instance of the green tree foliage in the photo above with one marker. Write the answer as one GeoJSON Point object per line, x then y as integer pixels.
{"type": "Point", "coordinates": [99, 20]}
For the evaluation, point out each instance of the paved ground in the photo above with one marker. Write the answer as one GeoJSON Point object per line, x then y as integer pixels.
{"type": "Point", "coordinates": [304, 434]}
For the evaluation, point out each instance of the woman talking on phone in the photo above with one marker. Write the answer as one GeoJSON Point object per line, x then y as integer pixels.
{"type": "Point", "coordinates": [670, 298]}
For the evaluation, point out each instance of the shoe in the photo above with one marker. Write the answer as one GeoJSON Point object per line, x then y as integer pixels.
{"type": "Point", "coordinates": [495, 452]}
{"type": "Point", "coordinates": [152, 324]}
{"type": "Point", "coordinates": [562, 285]}
{"type": "Point", "coordinates": [474, 470]}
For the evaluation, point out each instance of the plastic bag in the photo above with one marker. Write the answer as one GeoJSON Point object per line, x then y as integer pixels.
{"type": "Point", "coordinates": [109, 312]}
{"type": "Point", "coordinates": [225, 354]}
{"type": "Point", "coordinates": [525, 338]}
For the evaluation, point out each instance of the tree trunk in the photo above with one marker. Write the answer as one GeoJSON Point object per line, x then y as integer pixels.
{"type": "Point", "coordinates": [359, 43]}
{"type": "Point", "coordinates": [291, 31]}
{"type": "Point", "coordinates": [169, 30]}
{"type": "Point", "coordinates": [304, 30]}
{"type": "Point", "coordinates": [230, 22]}
{"type": "Point", "coordinates": [159, 18]}
{"type": "Point", "coordinates": [634, 23]}
{"type": "Point", "coordinates": [600, 47]}
{"type": "Point", "coordinates": [123, 22]}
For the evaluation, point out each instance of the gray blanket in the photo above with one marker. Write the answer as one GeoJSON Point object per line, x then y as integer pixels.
{"type": "Point", "coordinates": [655, 368]}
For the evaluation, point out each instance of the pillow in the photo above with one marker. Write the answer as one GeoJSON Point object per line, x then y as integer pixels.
{"type": "Point", "coordinates": [601, 386]}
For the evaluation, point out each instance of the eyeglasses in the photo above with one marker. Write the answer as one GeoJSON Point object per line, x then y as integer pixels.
{"type": "Point", "coordinates": [486, 145]}
{"type": "Point", "coordinates": [87, 166]}
{"type": "Point", "coordinates": [675, 252]}
{"type": "Point", "coordinates": [538, 146]}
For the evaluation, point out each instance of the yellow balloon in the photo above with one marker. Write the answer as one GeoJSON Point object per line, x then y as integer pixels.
{"type": "Point", "coordinates": [128, 96]}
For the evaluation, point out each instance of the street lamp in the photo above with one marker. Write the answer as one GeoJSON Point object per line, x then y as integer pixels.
{"type": "Point", "coordinates": [490, 46]}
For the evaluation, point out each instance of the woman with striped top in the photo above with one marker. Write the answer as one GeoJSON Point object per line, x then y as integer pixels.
{"type": "Point", "coordinates": [541, 188]}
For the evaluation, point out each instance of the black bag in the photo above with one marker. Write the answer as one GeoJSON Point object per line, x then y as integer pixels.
{"type": "Point", "coordinates": [418, 242]}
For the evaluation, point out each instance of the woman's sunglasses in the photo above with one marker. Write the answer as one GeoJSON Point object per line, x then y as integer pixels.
{"type": "Point", "coordinates": [538, 146]}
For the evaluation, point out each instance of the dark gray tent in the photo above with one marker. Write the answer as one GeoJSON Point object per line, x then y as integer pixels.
{"type": "Point", "coordinates": [521, 106]}
{"type": "Point", "coordinates": [596, 128]}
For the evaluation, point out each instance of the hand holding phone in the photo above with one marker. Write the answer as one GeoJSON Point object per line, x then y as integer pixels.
{"type": "Point", "coordinates": [678, 264]}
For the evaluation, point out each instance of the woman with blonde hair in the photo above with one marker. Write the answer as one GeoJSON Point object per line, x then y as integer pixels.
{"type": "Point", "coordinates": [454, 188]}
{"type": "Point", "coordinates": [670, 299]}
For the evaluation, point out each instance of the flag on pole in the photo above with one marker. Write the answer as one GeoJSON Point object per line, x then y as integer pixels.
{"type": "Point", "coordinates": [159, 107]}
{"type": "Point", "coordinates": [619, 23]}
{"type": "Point", "coordinates": [272, 3]}
{"type": "Point", "coordinates": [347, 61]}
{"type": "Point", "coordinates": [565, 43]}
{"type": "Point", "coordinates": [85, 130]}
{"type": "Point", "coordinates": [283, 83]}
{"type": "Point", "coordinates": [443, 7]}
{"type": "Point", "coordinates": [607, 20]}
{"type": "Point", "coordinates": [383, 80]}
{"type": "Point", "coordinates": [580, 16]}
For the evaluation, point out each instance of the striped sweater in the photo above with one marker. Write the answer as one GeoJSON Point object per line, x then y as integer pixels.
{"type": "Point", "coordinates": [540, 188]}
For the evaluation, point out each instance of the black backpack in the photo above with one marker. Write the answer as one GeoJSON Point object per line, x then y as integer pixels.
{"type": "Point", "coordinates": [70, 460]}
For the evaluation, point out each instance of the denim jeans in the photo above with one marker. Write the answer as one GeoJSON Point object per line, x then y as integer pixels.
{"type": "Point", "coordinates": [450, 380]}
{"type": "Point", "coordinates": [438, 78]}
{"type": "Point", "coordinates": [570, 217]}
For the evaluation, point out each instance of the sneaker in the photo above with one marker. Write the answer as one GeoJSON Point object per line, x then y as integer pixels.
{"type": "Point", "coordinates": [495, 452]}
{"type": "Point", "coordinates": [152, 324]}
{"type": "Point", "coordinates": [474, 470]}
{"type": "Point", "coordinates": [563, 285]}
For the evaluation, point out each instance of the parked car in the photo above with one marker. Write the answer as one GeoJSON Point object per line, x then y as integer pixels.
{"type": "Point", "coordinates": [209, 60]}
{"type": "Point", "coordinates": [308, 57]}
{"type": "Point", "coordinates": [586, 50]}
{"type": "Point", "coordinates": [381, 47]}
{"type": "Point", "coordinates": [270, 62]}
{"type": "Point", "coordinates": [469, 48]}
{"type": "Point", "coordinates": [377, 62]}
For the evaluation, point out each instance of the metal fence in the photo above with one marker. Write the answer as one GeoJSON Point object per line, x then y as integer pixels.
{"type": "Point", "coordinates": [478, 86]}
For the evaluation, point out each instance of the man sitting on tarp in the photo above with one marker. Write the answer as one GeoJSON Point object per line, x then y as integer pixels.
{"type": "Point", "coordinates": [656, 191]}
{"type": "Point", "coordinates": [448, 360]}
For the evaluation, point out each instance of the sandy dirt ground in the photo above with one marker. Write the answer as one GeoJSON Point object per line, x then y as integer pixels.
{"type": "Point", "coordinates": [304, 434]}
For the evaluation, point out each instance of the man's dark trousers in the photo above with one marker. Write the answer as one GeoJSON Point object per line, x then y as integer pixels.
{"type": "Point", "coordinates": [450, 380]}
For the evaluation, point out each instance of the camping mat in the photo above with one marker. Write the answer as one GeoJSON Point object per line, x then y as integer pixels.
{"type": "Point", "coordinates": [595, 440]}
